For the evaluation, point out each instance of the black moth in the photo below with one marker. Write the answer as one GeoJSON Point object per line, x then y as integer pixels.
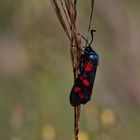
{"type": "Point", "coordinates": [82, 89]}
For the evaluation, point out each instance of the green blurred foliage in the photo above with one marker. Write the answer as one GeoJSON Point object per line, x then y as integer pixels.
{"type": "Point", "coordinates": [36, 74]}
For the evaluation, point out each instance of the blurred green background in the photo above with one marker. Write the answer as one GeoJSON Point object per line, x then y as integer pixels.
{"type": "Point", "coordinates": [36, 74]}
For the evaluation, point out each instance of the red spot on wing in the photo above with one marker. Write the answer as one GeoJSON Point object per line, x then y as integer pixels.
{"type": "Point", "coordinates": [85, 82]}
{"type": "Point", "coordinates": [77, 89]}
{"type": "Point", "coordinates": [88, 67]}
{"type": "Point", "coordinates": [81, 95]}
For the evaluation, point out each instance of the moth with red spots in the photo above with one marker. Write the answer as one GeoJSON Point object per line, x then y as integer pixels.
{"type": "Point", "coordinates": [82, 89]}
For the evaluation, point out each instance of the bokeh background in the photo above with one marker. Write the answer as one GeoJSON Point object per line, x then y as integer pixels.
{"type": "Point", "coordinates": [36, 74]}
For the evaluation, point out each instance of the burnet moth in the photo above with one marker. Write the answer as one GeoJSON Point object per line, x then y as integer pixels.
{"type": "Point", "coordinates": [82, 89]}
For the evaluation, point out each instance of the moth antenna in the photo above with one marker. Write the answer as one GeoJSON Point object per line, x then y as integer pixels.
{"type": "Point", "coordinates": [84, 39]}
{"type": "Point", "coordinates": [92, 31]}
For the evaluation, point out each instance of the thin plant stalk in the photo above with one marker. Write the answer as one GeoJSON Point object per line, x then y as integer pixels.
{"type": "Point", "coordinates": [66, 12]}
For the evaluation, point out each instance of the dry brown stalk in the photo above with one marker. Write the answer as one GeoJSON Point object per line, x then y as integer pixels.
{"type": "Point", "coordinates": [67, 14]}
